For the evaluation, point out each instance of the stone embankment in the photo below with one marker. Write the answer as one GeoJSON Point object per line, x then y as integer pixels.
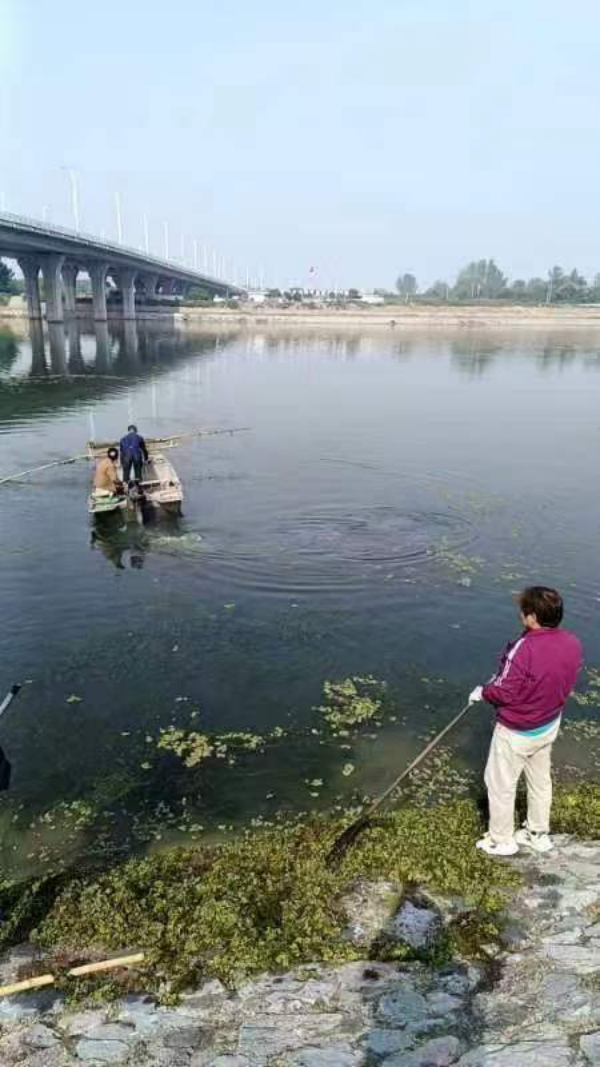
{"type": "Point", "coordinates": [538, 1005]}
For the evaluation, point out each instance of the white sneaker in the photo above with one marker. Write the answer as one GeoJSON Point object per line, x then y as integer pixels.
{"type": "Point", "coordinates": [538, 842]}
{"type": "Point", "coordinates": [487, 845]}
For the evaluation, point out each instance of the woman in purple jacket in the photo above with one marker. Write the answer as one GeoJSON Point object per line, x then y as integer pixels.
{"type": "Point", "coordinates": [536, 674]}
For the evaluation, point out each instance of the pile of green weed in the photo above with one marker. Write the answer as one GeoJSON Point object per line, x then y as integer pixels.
{"type": "Point", "coordinates": [268, 901]}
{"type": "Point", "coordinates": [576, 810]}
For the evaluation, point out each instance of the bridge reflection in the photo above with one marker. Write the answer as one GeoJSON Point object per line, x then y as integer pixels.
{"type": "Point", "coordinates": [86, 362]}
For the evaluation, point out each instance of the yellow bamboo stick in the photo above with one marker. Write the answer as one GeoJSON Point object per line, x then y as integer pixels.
{"type": "Point", "coordinates": [75, 972]}
{"type": "Point", "coordinates": [107, 965]}
{"type": "Point", "coordinates": [31, 983]}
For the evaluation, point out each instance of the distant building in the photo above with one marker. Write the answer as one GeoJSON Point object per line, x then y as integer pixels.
{"type": "Point", "coordinates": [372, 298]}
{"type": "Point", "coordinates": [257, 297]}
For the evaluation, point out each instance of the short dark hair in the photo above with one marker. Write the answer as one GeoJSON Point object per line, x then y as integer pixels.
{"type": "Point", "coordinates": [113, 453]}
{"type": "Point", "coordinates": [546, 604]}
{"type": "Point", "coordinates": [132, 429]}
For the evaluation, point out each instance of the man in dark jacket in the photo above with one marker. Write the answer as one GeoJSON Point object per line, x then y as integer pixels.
{"type": "Point", "coordinates": [536, 675]}
{"type": "Point", "coordinates": [133, 454]}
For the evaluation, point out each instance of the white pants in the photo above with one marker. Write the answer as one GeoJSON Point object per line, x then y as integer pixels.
{"type": "Point", "coordinates": [512, 754]}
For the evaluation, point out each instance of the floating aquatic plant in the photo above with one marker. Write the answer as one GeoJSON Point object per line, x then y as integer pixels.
{"type": "Point", "coordinates": [353, 701]}
{"type": "Point", "coordinates": [591, 697]}
{"type": "Point", "coordinates": [191, 746]}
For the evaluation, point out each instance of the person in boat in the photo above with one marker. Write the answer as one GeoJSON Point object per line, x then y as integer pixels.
{"type": "Point", "coordinates": [536, 675]}
{"type": "Point", "coordinates": [133, 454]}
{"type": "Point", "coordinates": [107, 481]}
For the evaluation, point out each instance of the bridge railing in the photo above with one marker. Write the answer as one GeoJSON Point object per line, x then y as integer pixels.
{"type": "Point", "coordinates": [165, 266]}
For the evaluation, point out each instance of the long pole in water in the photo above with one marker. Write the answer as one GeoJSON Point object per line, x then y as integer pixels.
{"type": "Point", "coordinates": [10, 696]}
{"type": "Point", "coordinates": [44, 467]}
{"type": "Point", "coordinates": [349, 835]}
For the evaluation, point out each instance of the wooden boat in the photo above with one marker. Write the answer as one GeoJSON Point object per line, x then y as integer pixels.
{"type": "Point", "coordinates": [159, 490]}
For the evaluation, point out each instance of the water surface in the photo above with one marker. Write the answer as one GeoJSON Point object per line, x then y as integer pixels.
{"type": "Point", "coordinates": [391, 494]}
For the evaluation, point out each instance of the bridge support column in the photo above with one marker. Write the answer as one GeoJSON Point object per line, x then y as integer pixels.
{"type": "Point", "coordinates": [97, 273]}
{"type": "Point", "coordinates": [58, 347]}
{"type": "Point", "coordinates": [69, 273]}
{"type": "Point", "coordinates": [150, 283]}
{"type": "Point", "coordinates": [52, 265]}
{"type": "Point", "coordinates": [38, 352]}
{"type": "Point", "coordinates": [31, 271]}
{"type": "Point", "coordinates": [102, 363]}
{"type": "Point", "coordinates": [126, 279]}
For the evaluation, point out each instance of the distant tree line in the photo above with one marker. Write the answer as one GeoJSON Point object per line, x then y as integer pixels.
{"type": "Point", "coordinates": [483, 280]}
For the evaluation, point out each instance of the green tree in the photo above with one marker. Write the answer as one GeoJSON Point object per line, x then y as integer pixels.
{"type": "Point", "coordinates": [8, 282]}
{"type": "Point", "coordinates": [480, 279]}
{"type": "Point", "coordinates": [440, 290]}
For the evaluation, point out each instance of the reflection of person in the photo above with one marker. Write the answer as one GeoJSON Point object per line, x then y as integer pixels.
{"type": "Point", "coordinates": [133, 454]}
{"type": "Point", "coordinates": [536, 675]}
{"type": "Point", "coordinates": [114, 547]}
{"type": "Point", "coordinates": [106, 475]}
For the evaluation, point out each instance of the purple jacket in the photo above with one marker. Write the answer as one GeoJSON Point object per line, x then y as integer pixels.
{"type": "Point", "coordinates": [536, 674]}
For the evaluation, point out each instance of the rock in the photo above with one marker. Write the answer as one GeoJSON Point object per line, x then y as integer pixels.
{"type": "Point", "coordinates": [579, 959]}
{"type": "Point", "coordinates": [418, 927]}
{"type": "Point", "coordinates": [335, 1056]}
{"type": "Point", "coordinates": [383, 1042]}
{"type": "Point", "coordinates": [369, 907]}
{"type": "Point", "coordinates": [152, 1021]}
{"type": "Point", "coordinates": [272, 1035]}
{"type": "Point", "coordinates": [111, 1032]}
{"type": "Point", "coordinates": [28, 1005]}
{"type": "Point", "coordinates": [399, 1009]}
{"type": "Point", "coordinates": [193, 1037]}
{"type": "Point", "coordinates": [151, 1056]}
{"type": "Point", "coordinates": [440, 1052]}
{"type": "Point", "coordinates": [82, 1021]}
{"type": "Point", "coordinates": [102, 1051]}
{"type": "Point", "coordinates": [204, 1059]}
{"type": "Point", "coordinates": [590, 1046]}
{"type": "Point", "coordinates": [443, 1003]}
{"type": "Point", "coordinates": [519, 1054]}
{"type": "Point", "coordinates": [49, 1057]}
{"type": "Point", "coordinates": [39, 1036]}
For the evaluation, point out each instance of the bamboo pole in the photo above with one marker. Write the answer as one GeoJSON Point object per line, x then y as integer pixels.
{"type": "Point", "coordinates": [106, 444]}
{"type": "Point", "coordinates": [97, 445]}
{"type": "Point", "coordinates": [43, 467]}
{"type": "Point", "coordinates": [31, 983]}
{"type": "Point", "coordinates": [107, 965]}
{"type": "Point", "coordinates": [76, 972]}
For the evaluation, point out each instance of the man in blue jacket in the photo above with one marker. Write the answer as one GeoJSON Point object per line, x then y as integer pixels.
{"type": "Point", "coordinates": [133, 454]}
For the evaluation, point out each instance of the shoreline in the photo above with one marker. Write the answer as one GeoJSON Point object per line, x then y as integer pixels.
{"type": "Point", "coordinates": [392, 317]}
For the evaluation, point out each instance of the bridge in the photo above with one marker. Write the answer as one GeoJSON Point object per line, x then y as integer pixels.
{"type": "Point", "coordinates": [60, 255]}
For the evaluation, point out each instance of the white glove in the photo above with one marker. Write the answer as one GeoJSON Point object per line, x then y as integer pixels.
{"type": "Point", "coordinates": [476, 695]}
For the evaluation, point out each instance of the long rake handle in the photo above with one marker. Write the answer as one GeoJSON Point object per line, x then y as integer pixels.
{"type": "Point", "coordinates": [418, 759]}
{"type": "Point", "coordinates": [10, 696]}
{"type": "Point", "coordinates": [349, 835]}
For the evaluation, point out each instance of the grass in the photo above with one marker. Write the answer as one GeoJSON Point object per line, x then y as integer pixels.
{"type": "Point", "coordinates": [266, 901]}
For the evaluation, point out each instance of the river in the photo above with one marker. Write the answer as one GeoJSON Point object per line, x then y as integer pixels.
{"type": "Point", "coordinates": [391, 493]}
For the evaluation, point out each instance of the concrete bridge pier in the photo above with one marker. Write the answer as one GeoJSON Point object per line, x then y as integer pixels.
{"type": "Point", "coordinates": [58, 347]}
{"type": "Point", "coordinates": [150, 283]}
{"type": "Point", "coordinates": [98, 273]}
{"type": "Point", "coordinates": [31, 271]}
{"type": "Point", "coordinates": [102, 362]}
{"type": "Point", "coordinates": [126, 282]}
{"type": "Point", "coordinates": [52, 265]}
{"type": "Point", "coordinates": [69, 274]}
{"type": "Point", "coordinates": [39, 367]}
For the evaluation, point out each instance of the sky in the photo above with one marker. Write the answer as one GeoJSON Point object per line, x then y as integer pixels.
{"type": "Point", "coordinates": [360, 139]}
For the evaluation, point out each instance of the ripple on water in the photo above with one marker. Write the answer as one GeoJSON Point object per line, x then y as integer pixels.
{"type": "Point", "coordinates": [329, 550]}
